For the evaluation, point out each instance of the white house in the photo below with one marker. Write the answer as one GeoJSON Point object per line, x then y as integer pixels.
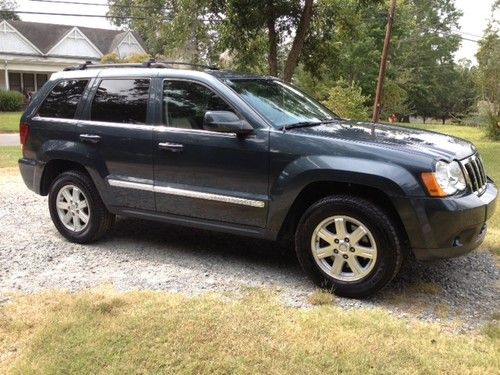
{"type": "Point", "coordinates": [31, 51]}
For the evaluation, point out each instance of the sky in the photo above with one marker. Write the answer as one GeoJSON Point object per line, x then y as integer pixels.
{"type": "Point", "coordinates": [476, 14]}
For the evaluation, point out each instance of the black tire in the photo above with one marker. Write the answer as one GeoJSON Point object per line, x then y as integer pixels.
{"type": "Point", "coordinates": [100, 219]}
{"type": "Point", "coordinates": [383, 229]}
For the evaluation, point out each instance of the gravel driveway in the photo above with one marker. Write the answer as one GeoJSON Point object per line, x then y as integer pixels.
{"type": "Point", "coordinates": [147, 255]}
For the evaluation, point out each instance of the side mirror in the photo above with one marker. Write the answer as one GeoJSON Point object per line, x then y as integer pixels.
{"type": "Point", "coordinates": [226, 122]}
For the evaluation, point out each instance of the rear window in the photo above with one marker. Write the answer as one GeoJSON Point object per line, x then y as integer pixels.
{"type": "Point", "coordinates": [121, 100]}
{"type": "Point", "coordinates": [63, 99]}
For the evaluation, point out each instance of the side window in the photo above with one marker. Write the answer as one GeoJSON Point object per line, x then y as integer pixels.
{"type": "Point", "coordinates": [121, 100]}
{"type": "Point", "coordinates": [185, 104]}
{"type": "Point", "coordinates": [63, 99]}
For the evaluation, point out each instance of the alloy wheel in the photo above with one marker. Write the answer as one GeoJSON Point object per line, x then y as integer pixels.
{"type": "Point", "coordinates": [344, 248]}
{"type": "Point", "coordinates": [73, 208]}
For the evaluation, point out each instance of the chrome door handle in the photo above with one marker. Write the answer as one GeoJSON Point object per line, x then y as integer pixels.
{"type": "Point", "coordinates": [90, 138]}
{"type": "Point", "coordinates": [173, 147]}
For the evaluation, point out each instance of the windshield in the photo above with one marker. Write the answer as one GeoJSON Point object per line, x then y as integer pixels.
{"type": "Point", "coordinates": [281, 104]}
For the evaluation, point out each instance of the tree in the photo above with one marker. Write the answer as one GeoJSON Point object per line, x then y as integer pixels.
{"type": "Point", "coordinates": [176, 29]}
{"type": "Point", "coordinates": [261, 36]}
{"type": "Point", "coordinates": [454, 92]}
{"type": "Point", "coordinates": [393, 100]}
{"type": "Point", "coordinates": [269, 22]}
{"type": "Point", "coordinates": [347, 101]}
{"type": "Point", "coordinates": [422, 62]}
{"type": "Point", "coordinates": [488, 58]}
{"type": "Point", "coordinates": [7, 8]}
{"type": "Point", "coordinates": [420, 59]}
{"type": "Point", "coordinates": [488, 77]}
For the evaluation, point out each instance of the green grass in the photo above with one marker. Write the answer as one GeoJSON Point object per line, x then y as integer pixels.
{"type": "Point", "coordinates": [147, 332]}
{"type": "Point", "coordinates": [490, 152]}
{"type": "Point", "coordinates": [9, 122]}
{"type": "Point", "coordinates": [9, 155]}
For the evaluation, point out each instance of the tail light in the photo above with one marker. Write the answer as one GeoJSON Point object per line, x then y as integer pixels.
{"type": "Point", "coordinates": [24, 132]}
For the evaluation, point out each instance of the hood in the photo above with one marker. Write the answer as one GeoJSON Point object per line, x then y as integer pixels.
{"type": "Point", "coordinates": [425, 142]}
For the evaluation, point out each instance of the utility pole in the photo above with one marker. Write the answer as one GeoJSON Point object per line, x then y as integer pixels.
{"type": "Point", "coordinates": [383, 63]}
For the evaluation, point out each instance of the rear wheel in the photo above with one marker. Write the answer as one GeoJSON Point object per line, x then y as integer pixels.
{"type": "Point", "coordinates": [349, 245]}
{"type": "Point", "coordinates": [76, 208]}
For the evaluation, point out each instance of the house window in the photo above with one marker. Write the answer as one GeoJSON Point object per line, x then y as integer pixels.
{"type": "Point", "coordinates": [15, 82]}
{"type": "Point", "coordinates": [28, 82]}
{"type": "Point", "coordinates": [40, 80]}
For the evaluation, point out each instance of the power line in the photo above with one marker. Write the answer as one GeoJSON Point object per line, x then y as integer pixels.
{"type": "Point", "coordinates": [99, 16]}
{"type": "Point", "coordinates": [469, 34]}
{"type": "Point", "coordinates": [97, 4]}
{"type": "Point", "coordinates": [78, 15]}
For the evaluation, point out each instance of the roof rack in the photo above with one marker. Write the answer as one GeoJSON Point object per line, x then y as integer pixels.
{"type": "Point", "coordinates": [152, 63]}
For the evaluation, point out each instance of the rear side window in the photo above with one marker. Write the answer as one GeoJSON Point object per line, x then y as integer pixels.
{"type": "Point", "coordinates": [121, 100]}
{"type": "Point", "coordinates": [63, 99]}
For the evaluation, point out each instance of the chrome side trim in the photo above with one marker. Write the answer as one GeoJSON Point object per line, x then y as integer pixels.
{"type": "Point", "coordinates": [166, 129]}
{"type": "Point", "coordinates": [208, 196]}
{"type": "Point", "coordinates": [186, 193]}
{"type": "Point", "coordinates": [123, 125]}
{"type": "Point", "coordinates": [130, 185]}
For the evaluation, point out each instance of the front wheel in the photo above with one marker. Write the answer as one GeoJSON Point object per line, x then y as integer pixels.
{"type": "Point", "coordinates": [348, 245]}
{"type": "Point", "coordinates": [76, 208]}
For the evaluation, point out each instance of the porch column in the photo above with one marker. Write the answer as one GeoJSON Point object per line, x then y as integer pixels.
{"type": "Point", "coordinates": [7, 86]}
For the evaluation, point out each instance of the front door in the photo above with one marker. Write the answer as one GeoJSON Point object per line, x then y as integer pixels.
{"type": "Point", "coordinates": [204, 174]}
{"type": "Point", "coordinates": [116, 134]}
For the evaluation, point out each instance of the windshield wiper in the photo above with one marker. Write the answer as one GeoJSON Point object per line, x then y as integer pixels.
{"type": "Point", "coordinates": [303, 124]}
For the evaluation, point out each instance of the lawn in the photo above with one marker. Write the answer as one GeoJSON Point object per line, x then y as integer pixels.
{"type": "Point", "coordinates": [9, 155]}
{"type": "Point", "coordinates": [9, 122]}
{"type": "Point", "coordinates": [98, 332]}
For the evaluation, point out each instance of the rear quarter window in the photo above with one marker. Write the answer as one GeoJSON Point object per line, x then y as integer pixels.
{"type": "Point", "coordinates": [63, 100]}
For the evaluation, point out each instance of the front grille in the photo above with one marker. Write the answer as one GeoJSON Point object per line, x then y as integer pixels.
{"type": "Point", "coordinates": [474, 174]}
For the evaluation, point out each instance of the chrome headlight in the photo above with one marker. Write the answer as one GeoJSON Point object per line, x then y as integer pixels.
{"type": "Point", "coordinates": [450, 177]}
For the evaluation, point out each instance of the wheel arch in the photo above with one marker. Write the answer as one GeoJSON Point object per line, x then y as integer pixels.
{"type": "Point", "coordinates": [54, 168]}
{"type": "Point", "coordinates": [314, 191]}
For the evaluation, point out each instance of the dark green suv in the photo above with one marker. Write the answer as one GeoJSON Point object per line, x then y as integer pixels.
{"type": "Point", "coordinates": [253, 156]}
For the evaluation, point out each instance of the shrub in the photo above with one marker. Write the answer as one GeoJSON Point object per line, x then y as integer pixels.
{"type": "Point", "coordinates": [111, 58]}
{"type": "Point", "coordinates": [493, 126]}
{"type": "Point", "coordinates": [138, 58]}
{"type": "Point", "coordinates": [347, 101]}
{"type": "Point", "coordinates": [11, 101]}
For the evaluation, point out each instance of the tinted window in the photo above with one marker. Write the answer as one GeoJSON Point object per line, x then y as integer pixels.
{"type": "Point", "coordinates": [63, 99]}
{"type": "Point", "coordinates": [121, 100]}
{"type": "Point", "coordinates": [185, 104]}
{"type": "Point", "coordinates": [280, 103]}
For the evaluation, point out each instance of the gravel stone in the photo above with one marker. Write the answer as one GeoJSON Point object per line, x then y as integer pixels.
{"type": "Point", "coordinates": [140, 254]}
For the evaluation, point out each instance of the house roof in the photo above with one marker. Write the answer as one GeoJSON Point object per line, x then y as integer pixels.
{"type": "Point", "coordinates": [46, 35]}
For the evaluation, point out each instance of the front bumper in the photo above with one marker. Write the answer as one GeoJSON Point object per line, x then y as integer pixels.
{"type": "Point", "coordinates": [451, 226]}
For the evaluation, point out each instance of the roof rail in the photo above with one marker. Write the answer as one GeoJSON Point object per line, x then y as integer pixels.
{"type": "Point", "coordinates": [152, 63]}
{"type": "Point", "coordinates": [170, 63]}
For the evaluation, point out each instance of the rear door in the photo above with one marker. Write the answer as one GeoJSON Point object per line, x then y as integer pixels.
{"type": "Point", "coordinates": [116, 132]}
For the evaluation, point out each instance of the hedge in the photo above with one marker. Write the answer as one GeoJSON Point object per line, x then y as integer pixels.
{"type": "Point", "coordinates": [11, 101]}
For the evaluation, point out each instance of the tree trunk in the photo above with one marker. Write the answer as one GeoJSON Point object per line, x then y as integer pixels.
{"type": "Point", "coordinates": [444, 120]}
{"type": "Point", "coordinates": [273, 40]}
{"type": "Point", "coordinates": [298, 42]}
{"type": "Point", "coordinates": [423, 119]}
